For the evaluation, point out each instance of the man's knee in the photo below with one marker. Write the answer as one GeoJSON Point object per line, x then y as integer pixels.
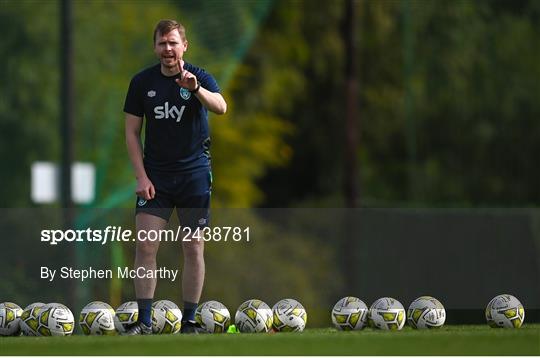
{"type": "Point", "coordinates": [193, 249]}
{"type": "Point", "coordinates": [147, 250]}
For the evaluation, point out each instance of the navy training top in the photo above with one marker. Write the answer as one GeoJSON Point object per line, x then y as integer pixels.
{"type": "Point", "coordinates": [177, 136]}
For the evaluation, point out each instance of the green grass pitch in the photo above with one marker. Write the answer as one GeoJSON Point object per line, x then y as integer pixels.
{"type": "Point", "coordinates": [449, 340]}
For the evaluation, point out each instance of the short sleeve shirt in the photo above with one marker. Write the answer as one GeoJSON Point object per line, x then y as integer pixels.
{"type": "Point", "coordinates": [177, 137]}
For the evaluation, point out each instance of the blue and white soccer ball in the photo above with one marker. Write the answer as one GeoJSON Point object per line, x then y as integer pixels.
{"type": "Point", "coordinates": [349, 313]}
{"type": "Point", "coordinates": [97, 318]}
{"type": "Point", "coordinates": [166, 317]}
{"type": "Point", "coordinates": [387, 313]}
{"type": "Point", "coordinates": [253, 316]}
{"type": "Point", "coordinates": [505, 311]}
{"type": "Point", "coordinates": [426, 312]}
{"type": "Point", "coordinates": [10, 314]}
{"type": "Point", "coordinates": [30, 319]}
{"type": "Point", "coordinates": [289, 316]}
{"type": "Point", "coordinates": [55, 319]}
{"type": "Point", "coordinates": [126, 315]}
{"type": "Point", "coordinates": [213, 317]}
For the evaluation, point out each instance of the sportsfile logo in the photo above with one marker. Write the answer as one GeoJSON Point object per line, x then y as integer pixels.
{"type": "Point", "coordinates": [166, 112]}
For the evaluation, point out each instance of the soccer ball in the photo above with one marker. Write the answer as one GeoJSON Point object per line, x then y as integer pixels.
{"type": "Point", "coordinates": [505, 311]}
{"type": "Point", "coordinates": [126, 314]}
{"type": "Point", "coordinates": [30, 319]}
{"type": "Point", "coordinates": [166, 317]}
{"type": "Point", "coordinates": [426, 312]}
{"type": "Point", "coordinates": [387, 313]}
{"type": "Point", "coordinates": [10, 315]}
{"type": "Point", "coordinates": [289, 316]}
{"type": "Point", "coordinates": [213, 317]}
{"type": "Point", "coordinates": [349, 313]}
{"type": "Point", "coordinates": [253, 316]}
{"type": "Point", "coordinates": [55, 319]}
{"type": "Point", "coordinates": [97, 318]}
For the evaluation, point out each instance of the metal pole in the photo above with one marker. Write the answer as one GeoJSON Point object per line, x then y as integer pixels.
{"type": "Point", "coordinates": [66, 128]}
{"type": "Point", "coordinates": [351, 144]}
{"type": "Point", "coordinates": [351, 105]}
{"type": "Point", "coordinates": [408, 101]}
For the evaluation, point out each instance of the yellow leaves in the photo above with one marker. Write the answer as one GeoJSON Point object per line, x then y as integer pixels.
{"type": "Point", "coordinates": [243, 147]}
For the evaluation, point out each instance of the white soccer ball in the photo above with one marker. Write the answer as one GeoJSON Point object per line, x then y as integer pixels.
{"type": "Point", "coordinates": [125, 315]}
{"type": "Point", "coordinates": [426, 312]}
{"type": "Point", "coordinates": [97, 318]}
{"type": "Point", "coordinates": [166, 317]}
{"type": "Point", "coordinates": [505, 311]}
{"type": "Point", "coordinates": [387, 313]}
{"type": "Point", "coordinates": [55, 319]}
{"type": "Point", "coordinates": [30, 319]}
{"type": "Point", "coordinates": [289, 316]}
{"type": "Point", "coordinates": [253, 316]}
{"type": "Point", "coordinates": [10, 314]}
{"type": "Point", "coordinates": [213, 317]}
{"type": "Point", "coordinates": [349, 313]}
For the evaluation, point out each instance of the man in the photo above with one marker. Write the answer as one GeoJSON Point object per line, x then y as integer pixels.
{"type": "Point", "coordinates": [175, 98]}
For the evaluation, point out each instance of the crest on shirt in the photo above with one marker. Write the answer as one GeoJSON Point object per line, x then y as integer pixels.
{"type": "Point", "coordinates": [151, 94]}
{"type": "Point", "coordinates": [184, 93]}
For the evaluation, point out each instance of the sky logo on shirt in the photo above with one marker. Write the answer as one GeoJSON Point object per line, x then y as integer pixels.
{"type": "Point", "coordinates": [166, 112]}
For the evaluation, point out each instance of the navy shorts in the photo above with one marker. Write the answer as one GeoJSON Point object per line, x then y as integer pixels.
{"type": "Point", "coordinates": [189, 193]}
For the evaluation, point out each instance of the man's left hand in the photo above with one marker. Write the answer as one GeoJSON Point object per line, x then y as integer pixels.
{"type": "Point", "coordinates": [187, 80]}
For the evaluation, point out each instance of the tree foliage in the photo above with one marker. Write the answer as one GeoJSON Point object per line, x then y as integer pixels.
{"type": "Point", "coordinates": [473, 106]}
{"type": "Point", "coordinates": [28, 107]}
{"type": "Point", "coordinates": [457, 125]}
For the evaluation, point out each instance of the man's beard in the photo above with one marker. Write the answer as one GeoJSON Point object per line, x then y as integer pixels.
{"type": "Point", "coordinates": [169, 62]}
{"type": "Point", "coordinates": [170, 65]}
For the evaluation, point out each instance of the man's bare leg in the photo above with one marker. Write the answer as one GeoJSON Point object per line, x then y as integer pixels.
{"type": "Point", "coordinates": [145, 256]}
{"type": "Point", "coordinates": [193, 275]}
{"type": "Point", "coordinates": [146, 253]}
{"type": "Point", "coordinates": [192, 280]}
